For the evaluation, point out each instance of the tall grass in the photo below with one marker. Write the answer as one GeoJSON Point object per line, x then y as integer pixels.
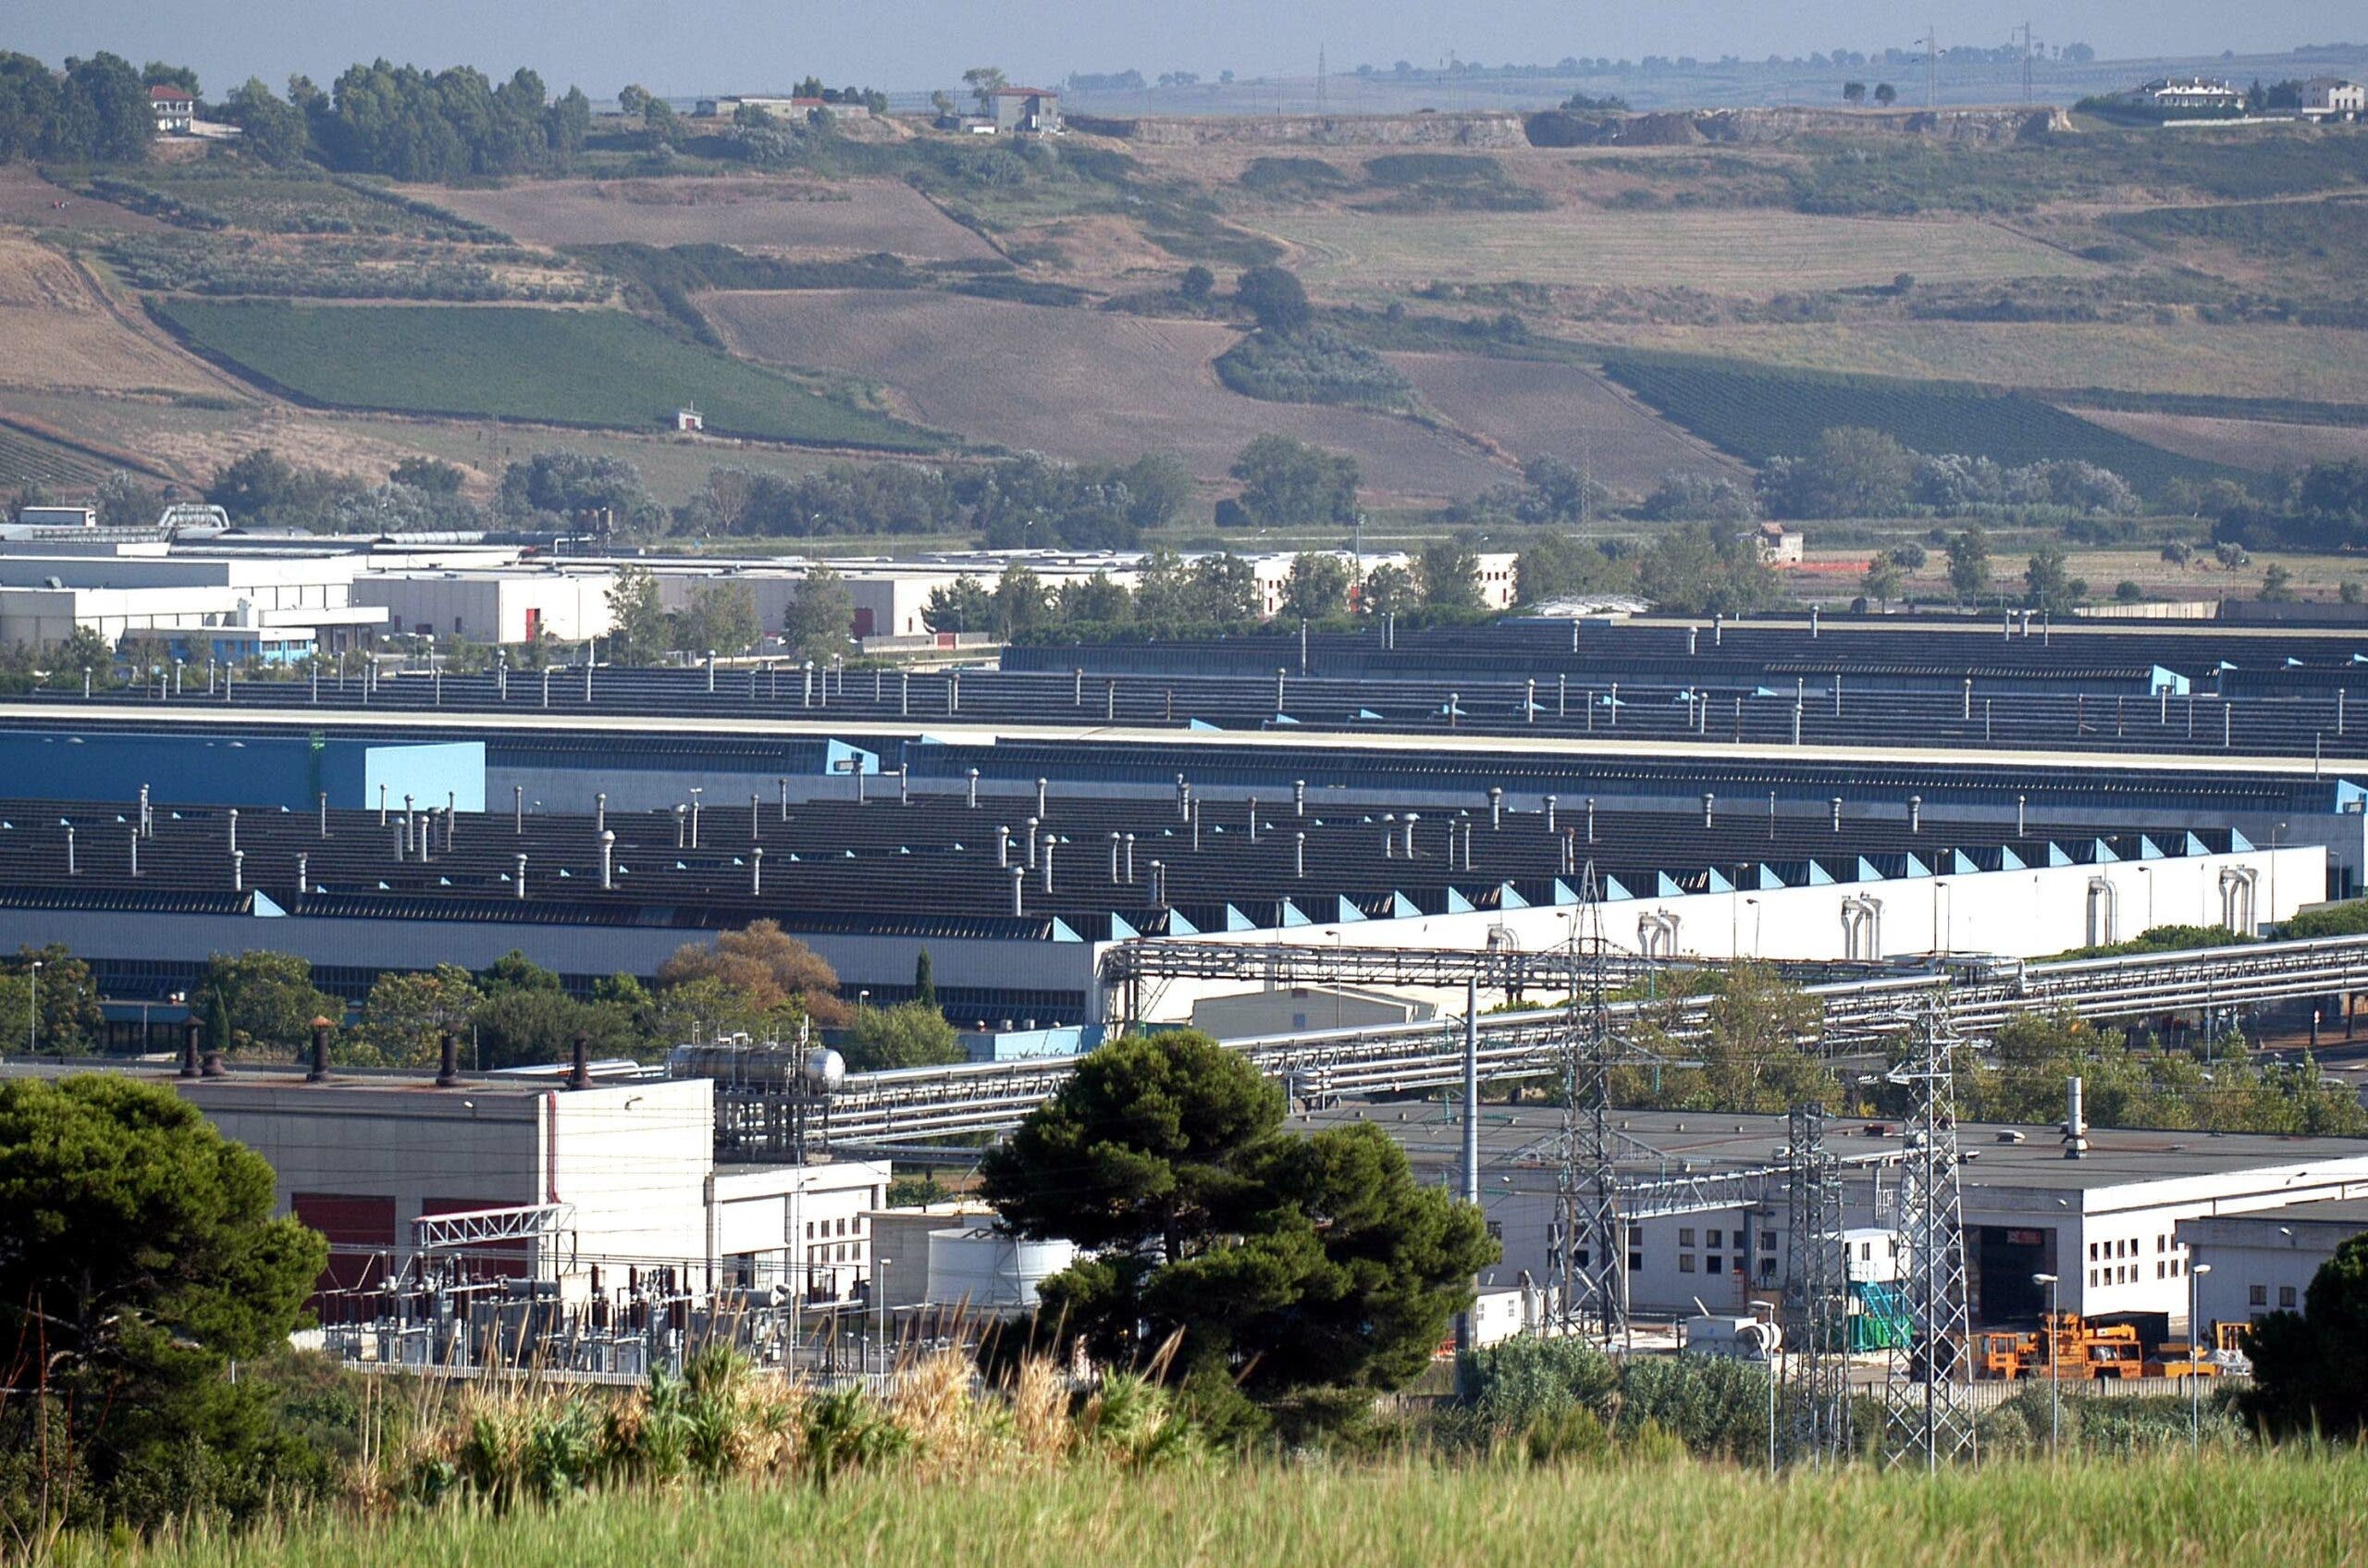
{"type": "Point", "coordinates": [2277, 1510]}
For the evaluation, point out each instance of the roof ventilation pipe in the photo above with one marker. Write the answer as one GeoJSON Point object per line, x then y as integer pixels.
{"type": "Point", "coordinates": [1590, 818]}
{"type": "Point", "coordinates": [974, 794]}
{"type": "Point", "coordinates": [608, 860]}
{"type": "Point", "coordinates": [1003, 844]}
{"type": "Point", "coordinates": [303, 874]}
{"type": "Point", "coordinates": [1299, 855]}
{"type": "Point", "coordinates": [1914, 813]}
{"type": "Point", "coordinates": [135, 854]}
{"type": "Point", "coordinates": [1709, 805]}
{"type": "Point", "coordinates": [239, 872]}
{"type": "Point", "coordinates": [1549, 815]}
{"type": "Point", "coordinates": [1254, 819]}
{"type": "Point", "coordinates": [1018, 889]}
{"type": "Point", "coordinates": [1032, 843]}
{"type": "Point", "coordinates": [518, 882]}
{"type": "Point", "coordinates": [579, 1056]}
{"type": "Point", "coordinates": [600, 812]}
{"type": "Point", "coordinates": [2076, 1126]}
{"type": "Point", "coordinates": [234, 829]}
{"type": "Point", "coordinates": [1495, 809]}
{"type": "Point", "coordinates": [70, 850]}
{"type": "Point", "coordinates": [1389, 837]}
{"type": "Point", "coordinates": [1049, 842]}
{"type": "Point", "coordinates": [190, 1027]}
{"type": "Point", "coordinates": [320, 1072]}
{"type": "Point", "coordinates": [1411, 819]}
{"type": "Point", "coordinates": [448, 1068]}
{"type": "Point", "coordinates": [1299, 797]}
{"type": "Point", "coordinates": [756, 873]}
{"type": "Point", "coordinates": [1836, 804]}
{"type": "Point", "coordinates": [1040, 799]}
{"type": "Point", "coordinates": [1130, 859]}
{"type": "Point", "coordinates": [1114, 859]}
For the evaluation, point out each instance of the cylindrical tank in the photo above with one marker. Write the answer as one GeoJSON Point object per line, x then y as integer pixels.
{"type": "Point", "coordinates": [765, 1067]}
{"type": "Point", "coordinates": [986, 1271]}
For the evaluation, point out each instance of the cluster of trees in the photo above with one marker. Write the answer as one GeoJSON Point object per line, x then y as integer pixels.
{"type": "Point", "coordinates": [415, 125]}
{"type": "Point", "coordinates": [54, 1009]}
{"type": "Point", "coordinates": [1753, 1059]}
{"type": "Point", "coordinates": [2325, 509]}
{"type": "Point", "coordinates": [1854, 472]}
{"type": "Point", "coordinates": [1020, 502]}
{"type": "Point", "coordinates": [261, 489]}
{"type": "Point", "coordinates": [2048, 583]}
{"type": "Point", "coordinates": [1275, 1263]}
{"type": "Point", "coordinates": [757, 982]}
{"type": "Point", "coordinates": [720, 617]}
{"type": "Point", "coordinates": [97, 111]}
{"type": "Point", "coordinates": [1285, 483]}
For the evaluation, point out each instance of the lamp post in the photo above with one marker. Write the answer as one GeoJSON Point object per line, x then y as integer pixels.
{"type": "Point", "coordinates": [2055, 1379]}
{"type": "Point", "coordinates": [33, 1009]}
{"type": "Point", "coordinates": [2194, 1384]}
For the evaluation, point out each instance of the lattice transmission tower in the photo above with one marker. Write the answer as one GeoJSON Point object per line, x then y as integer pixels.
{"type": "Point", "coordinates": [1589, 1251]}
{"type": "Point", "coordinates": [1817, 1321]}
{"type": "Point", "coordinates": [1928, 1420]}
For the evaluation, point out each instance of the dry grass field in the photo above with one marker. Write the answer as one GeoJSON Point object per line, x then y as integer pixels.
{"type": "Point", "coordinates": [28, 200]}
{"type": "Point", "coordinates": [1076, 384]}
{"type": "Point", "coordinates": [2242, 443]}
{"type": "Point", "coordinates": [792, 215]}
{"type": "Point", "coordinates": [1749, 252]}
{"type": "Point", "coordinates": [60, 331]}
{"type": "Point", "coordinates": [2245, 360]}
{"type": "Point", "coordinates": [1533, 409]}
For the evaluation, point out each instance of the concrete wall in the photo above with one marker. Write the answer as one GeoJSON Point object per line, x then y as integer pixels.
{"type": "Point", "coordinates": [493, 607]}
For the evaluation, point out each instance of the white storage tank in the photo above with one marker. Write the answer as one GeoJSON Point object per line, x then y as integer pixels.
{"type": "Point", "coordinates": [986, 1271]}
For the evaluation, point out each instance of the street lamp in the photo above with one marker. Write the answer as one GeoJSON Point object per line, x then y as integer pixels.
{"type": "Point", "coordinates": [2194, 1384]}
{"type": "Point", "coordinates": [2054, 1373]}
{"type": "Point", "coordinates": [1938, 889]}
{"type": "Point", "coordinates": [1755, 927]}
{"type": "Point", "coordinates": [33, 1009]}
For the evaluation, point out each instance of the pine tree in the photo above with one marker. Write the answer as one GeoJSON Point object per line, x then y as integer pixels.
{"type": "Point", "coordinates": [924, 981]}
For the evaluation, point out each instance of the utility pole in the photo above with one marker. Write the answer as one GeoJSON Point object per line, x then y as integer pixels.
{"type": "Point", "coordinates": [1816, 1292]}
{"type": "Point", "coordinates": [1320, 73]}
{"type": "Point", "coordinates": [1932, 41]}
{"type": "Point", "coordinates": [1588, 1258]}
{"type": "Point", "coordinates": [1926, 1420]}
{"type": "Point", "coordinates": [2030, 96]}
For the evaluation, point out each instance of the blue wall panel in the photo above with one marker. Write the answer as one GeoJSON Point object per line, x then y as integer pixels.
{"type": "Point", "coordinates": [222, 770]}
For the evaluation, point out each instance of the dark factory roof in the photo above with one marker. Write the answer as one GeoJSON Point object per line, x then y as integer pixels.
{"type": "Point", "coordinates": [935, 867]}
{"type": "Point", "coordinates": [2286, 696]}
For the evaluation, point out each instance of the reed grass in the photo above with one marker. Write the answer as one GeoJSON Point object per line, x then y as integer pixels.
{"type": "Point", "coordinates": [2277, 1509]}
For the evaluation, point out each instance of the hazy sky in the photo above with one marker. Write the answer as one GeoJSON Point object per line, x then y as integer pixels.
{"type": "Point", "coordinates": [676, 47]}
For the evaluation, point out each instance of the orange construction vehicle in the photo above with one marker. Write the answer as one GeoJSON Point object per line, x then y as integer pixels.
{"type": "Point", "coordinates": [2005, 1356]}
{"type": "Point", "coordinates": [2078, 1350]}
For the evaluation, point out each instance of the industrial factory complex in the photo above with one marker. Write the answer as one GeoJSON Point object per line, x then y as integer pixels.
{"type": "Point", "coordinates": [1401, 871]}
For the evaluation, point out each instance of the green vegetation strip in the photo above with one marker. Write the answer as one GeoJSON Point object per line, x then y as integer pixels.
{"type": "Point", "coordinates": [601, 368]}
{"type": "Point", "coordinates": [2241, 1511]}
{"type": "Point", "coordinates": [1758, 413]}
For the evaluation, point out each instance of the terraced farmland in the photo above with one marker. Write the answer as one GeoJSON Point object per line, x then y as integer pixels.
{"type": "Point", "coordinates": [795, 216]}
{"type": "Point", "coordinates": [1757, 414]}
{"type": "Point", "coordinates": [1749, 251]}
{"type": "Point", "coordinates": [550, 367]}
{"type": "Point", "coordinates": [1076, 384]}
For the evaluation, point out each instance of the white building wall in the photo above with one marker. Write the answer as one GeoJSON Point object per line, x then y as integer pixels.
{"type": "Point", "coordinates": [493, 607]}
{"type": "Point", "coordinates": [2027, 914]}
{"type": "Point", "coordinates": [2264, 1264]}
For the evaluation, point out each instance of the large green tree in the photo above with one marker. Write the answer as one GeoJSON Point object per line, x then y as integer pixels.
{"type": "Point", "coordinates": [820, 620]}
{"type": "Point", "coordinates": [2310, 1371]}
{"type": "Point", "coordinates": [1317, 588]}
{"type": "Point", "coordinates": [1285, 1260]}
{"type": "Point", "coordinates": [139, 1259]}
{"type": "Point", "coordinates": [639, 629]}
{"type": "Point", "coordinates": [910, 1034]}
{"type": "Point", "coordinates": [265, 1002]}
{"type": "Point", "coordinates": [1286, 483]}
